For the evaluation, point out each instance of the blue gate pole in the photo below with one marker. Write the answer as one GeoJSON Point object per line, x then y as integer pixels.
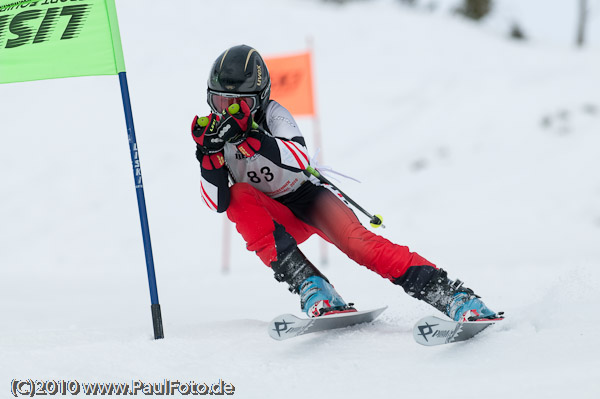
{"type": "Point", "coordinates": [141, 200]}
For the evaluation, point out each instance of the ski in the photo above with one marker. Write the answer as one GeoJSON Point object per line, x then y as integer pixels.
{"type": "Point", "coordinates": [289, 326]}
{"type": "Point", "coordinates": [432, 330]}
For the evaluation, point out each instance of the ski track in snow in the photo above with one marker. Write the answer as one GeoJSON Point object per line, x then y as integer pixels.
{"type": "Point", "coordinates": [482, 155]}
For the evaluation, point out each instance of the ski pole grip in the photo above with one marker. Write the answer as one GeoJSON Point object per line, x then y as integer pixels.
{"type": "Point", "coordinates": [202, 122]}
{"type": "Point", "coordinates": [234, 108]}
{"type": "Point", "coordinates": [312, 171]}
{"type": "Point", "coordinates": [377, 221]}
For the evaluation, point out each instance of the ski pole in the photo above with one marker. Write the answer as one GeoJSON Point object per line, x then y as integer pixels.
{"type": "Point", "coordinates": [375, 220]}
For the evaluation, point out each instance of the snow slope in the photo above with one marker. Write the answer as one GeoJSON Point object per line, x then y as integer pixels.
{"type": "Point", "coordinates": [482, 155]}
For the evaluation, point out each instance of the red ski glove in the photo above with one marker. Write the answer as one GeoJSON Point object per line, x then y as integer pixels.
{"type": "Point", "coordinates": [250, 145]}
{"type": "Point", "coordinates": [236, 123]}
{"type": "Point", "coordinates": [213, 131]}
{"type": "Point", "coordinates": [205, 132]}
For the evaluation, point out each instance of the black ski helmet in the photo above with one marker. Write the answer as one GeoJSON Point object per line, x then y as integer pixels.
{"type": "Point", "coordinates": [239, 73]}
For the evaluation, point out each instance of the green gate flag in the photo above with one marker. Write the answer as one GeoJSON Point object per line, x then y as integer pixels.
{"type": "Point", "coordinates": [48, 39]}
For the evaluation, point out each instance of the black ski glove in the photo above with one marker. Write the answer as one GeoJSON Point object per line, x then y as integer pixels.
{"type": "Point", "coordinates": [213, 131]}
{"type": "Point", "coordinates": [205, 132]}
{"type": "Point", "coordinates": [236, 123]}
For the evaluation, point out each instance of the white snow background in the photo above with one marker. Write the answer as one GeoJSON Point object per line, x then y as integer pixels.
{"type": "Point", "coordinates": [481, 153]}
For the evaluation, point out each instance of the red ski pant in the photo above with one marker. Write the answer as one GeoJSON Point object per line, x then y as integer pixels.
{"type": "Point", "coordinates": [256, 215]}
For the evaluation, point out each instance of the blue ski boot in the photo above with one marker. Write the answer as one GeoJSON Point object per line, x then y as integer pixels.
{"type": "Point", "coordinates": [454, 299]}
{"type": "Point", "coordinates": [319, 298]}
{"type": "Point", "coordinates": [466, 306]}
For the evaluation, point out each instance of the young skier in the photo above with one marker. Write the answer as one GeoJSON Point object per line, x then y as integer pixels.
{"type": "Point", "coordinates": [275, 206]}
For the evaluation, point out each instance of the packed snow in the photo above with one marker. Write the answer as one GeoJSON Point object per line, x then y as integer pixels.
{"type": "Point", "coordinates": [481, 153]}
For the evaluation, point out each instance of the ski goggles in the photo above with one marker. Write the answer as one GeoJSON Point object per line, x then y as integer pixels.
{"type": "Point", "coordinates": [221, 101]}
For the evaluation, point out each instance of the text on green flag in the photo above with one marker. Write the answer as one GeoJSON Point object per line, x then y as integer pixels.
{"type": "Point", "coordinates": [47, 39]}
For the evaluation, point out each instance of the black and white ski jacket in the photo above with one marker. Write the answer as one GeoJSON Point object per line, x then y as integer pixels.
{"type": "Point", "coordinates": [271, 160]}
